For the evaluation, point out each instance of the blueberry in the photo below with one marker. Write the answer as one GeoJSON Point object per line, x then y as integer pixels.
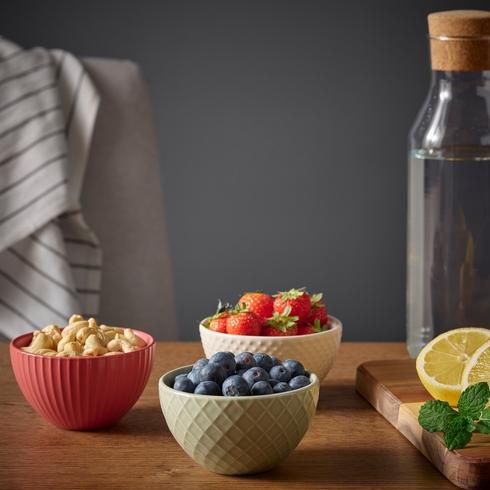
{"type": "Point", "coordinates": [225, 359]}
{"type": "Point", "coordinates": [273, 382]}
{"type": "Point", "coordinates": [194, 376]}
{"type": "Point", "coordinates": [184, 384]}
{"type": "Point", "coordinates": [241, 371]}
{"type": "Point", "coordinates": [252, 375]}
{"type": "Point", "coordinates": [212, 372]}
{"type": "Point", "coordinates": [263, 360]}
{"type": "Point", "coordinates": [235, 386]}
{"type": "Point", "coordinates": [299, 382]}
{"type": "Point", "coordinates": [296, 368]}
{"type": "Point", "coordinates": [200, 363]}
{"type": "Point", "coordinates": [208, 388]}
{"type": "Point", "coordinates": [275, 361]}
{"type": "Point", "coordinates": [281, 373]}
{"type": "Point", "coordinates": [245, 360]}
{"type": "Point", "coordinates": [179, 376]}
{"type": "Point", "coordinates": [281, 388]}
{"type": "Point", "coordinates": [261, 388]}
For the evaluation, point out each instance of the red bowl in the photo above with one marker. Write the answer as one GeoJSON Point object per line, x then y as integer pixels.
{"type": "Point", "coordinates": [82, 392]}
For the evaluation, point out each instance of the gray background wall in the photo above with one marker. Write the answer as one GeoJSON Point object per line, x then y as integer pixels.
{"type": "Point", "coordinates": [282, 129]}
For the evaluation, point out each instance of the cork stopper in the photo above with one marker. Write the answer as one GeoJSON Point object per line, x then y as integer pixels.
{"type": "Point", "coordinates": [460, 40]}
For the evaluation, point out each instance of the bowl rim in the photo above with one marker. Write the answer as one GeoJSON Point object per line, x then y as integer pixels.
{"type": "Point", "coordinates": [336, 325]}
{"type": "Point", "coordinates": [315, 381]}
{"type": "Point", "coordinates": [14, 347]}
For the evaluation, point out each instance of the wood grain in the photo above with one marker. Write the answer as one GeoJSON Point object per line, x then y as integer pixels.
{"type": "Point", "coordinates": [349, 445]}
{"type": "Point", "coordinates": [393, 388]}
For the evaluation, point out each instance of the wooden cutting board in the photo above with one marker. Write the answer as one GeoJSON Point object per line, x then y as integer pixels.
{"type": "Point", "coordinates": [394, 390]}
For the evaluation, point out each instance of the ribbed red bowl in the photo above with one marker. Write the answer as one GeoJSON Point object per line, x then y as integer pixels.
{"type": "Point", "coordinates": [82, 392]}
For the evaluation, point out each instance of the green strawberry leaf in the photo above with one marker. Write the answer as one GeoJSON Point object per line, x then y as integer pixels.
{"type": "Point", "coordinates": [291, 294]}
{"type": "Point", "coordinates": [473, 400]}
{"type": "Point", "coordinates": [317, 326]}
{"type": "Point", "coordinates": [458, 432]}
{"type": "Point", "coordinates": [222, 307]}
{"type": "Point", "coordinates": [282, 321]}
{"type": "Point", "coordinates": [435, 415]}
{"type": "Point", "coordinates": [316, 298]}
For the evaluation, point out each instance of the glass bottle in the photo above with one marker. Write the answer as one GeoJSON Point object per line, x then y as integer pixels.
{"type": "Point", "coordinates": [448, 253]}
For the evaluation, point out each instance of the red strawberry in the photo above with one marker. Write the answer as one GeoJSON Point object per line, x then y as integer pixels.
{"type": "Point", "coordinates": [281, 324]}
{"type": "Point", "coordinates": [310, 328]}
{"type": "Point", "coordinates": [259, 303]}
{"type": "Point", "coordinates": [297, 299]}
{"type": "Point", "coordinates": [318, 310]}
{"type": "Point", "coordinates": [218, 322]}
{"type": "Point", "coordinates": [243, 323]}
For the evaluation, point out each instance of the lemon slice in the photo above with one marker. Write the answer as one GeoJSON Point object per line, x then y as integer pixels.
{"type": "Point", "coordinates": [441, 363]}
{"type": "Point", "coordinates": [478, 367]}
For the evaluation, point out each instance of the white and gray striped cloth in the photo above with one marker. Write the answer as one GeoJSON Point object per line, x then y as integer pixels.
{"type": "Point", "coordinates": [50, 261]}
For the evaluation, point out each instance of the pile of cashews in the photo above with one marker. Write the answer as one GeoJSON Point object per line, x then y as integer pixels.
{"type": "Point", "coordinates": [83, 338]}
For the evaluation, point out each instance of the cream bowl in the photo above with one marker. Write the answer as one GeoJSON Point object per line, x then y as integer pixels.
{"type": "Point", "coordinates": [237, 435]}
{"type": "Point", "coordinates": [316, 351]}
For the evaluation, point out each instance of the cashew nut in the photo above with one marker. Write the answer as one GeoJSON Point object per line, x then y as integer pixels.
{"type": "Point", "coordinates": [133, 338]}
{"type": "Point", "coordinates": [84, 333]}
{"type": "Point", "coordinates": [74, 327]}
{"type": "Point", "coordinates": [45, 352]}
{"type": "Point", "coordinates": [75, 319]}
{"type": "Point", "coordinates": [83, 337]}
{"type": "Point", "coordinates": [118, 345]}
{"type": "Point", "coordinates": [93, 346]}
{"type": "Point", "coordinates": [66, 339]}
{"type": "Point", "coordinates": [40, 341]}
{"type": "Point", "coordinates": [53, 331]}
{"type": "Point", "coordinates": [73, 349]}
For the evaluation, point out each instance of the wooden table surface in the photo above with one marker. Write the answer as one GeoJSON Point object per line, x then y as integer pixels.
{"type": "Point", "coordinates": [349, 445]}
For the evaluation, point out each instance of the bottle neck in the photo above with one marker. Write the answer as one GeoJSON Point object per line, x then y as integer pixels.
{"type": "Point", "coordinates": [456, 115]}
{"type": "Point", "coordinates": [464, 79]}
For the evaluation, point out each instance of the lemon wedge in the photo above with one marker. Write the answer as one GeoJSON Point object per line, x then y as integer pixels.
{"type": "Point", "coordinates": [478, 367]}
{"type": "Point", "coordinates": [442, 362]}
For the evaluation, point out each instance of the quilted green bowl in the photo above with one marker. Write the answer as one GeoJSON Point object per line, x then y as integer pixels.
{"type": "Point", "coordinates": [237, 435]}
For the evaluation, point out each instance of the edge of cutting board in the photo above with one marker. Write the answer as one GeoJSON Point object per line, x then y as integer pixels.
{"type": "Point", "coordinates": [394, 390]}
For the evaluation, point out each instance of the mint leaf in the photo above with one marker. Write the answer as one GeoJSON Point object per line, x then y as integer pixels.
{"type": "Point", "coordinates": [458, 432]}
{"type": "Point", "coordinates": [435, 415]}
{"type": "Point", "coordinates": [473, 400]}
{"type": "Point", "coordinates": [484, 425]}
{"type": "Point", "coordinates": [457, 428]}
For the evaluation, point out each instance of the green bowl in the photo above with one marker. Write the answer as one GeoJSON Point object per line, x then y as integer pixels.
{"type": "Point", "coordinates": [237, 435]}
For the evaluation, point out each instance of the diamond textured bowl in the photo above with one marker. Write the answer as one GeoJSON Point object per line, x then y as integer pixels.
{"type": "Point", "coordinates": [82, 392]}
{"type": "Point", "coordinates": [316, 351]}
{"type": "Point", "coordinates": [237, 435]}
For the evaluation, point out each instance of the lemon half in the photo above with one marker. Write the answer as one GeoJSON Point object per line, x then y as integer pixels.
{"type": "Point", "coordinates": [442, 362]}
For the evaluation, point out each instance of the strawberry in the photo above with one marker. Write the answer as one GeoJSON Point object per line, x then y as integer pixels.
{"type": "Point", "coordinates": [310, 328]}
{"type": "Point", "coordinates": [297, 299]}
{"type": "Point", "coordinates": [318, 310]}
{"type": "Point", "coordinates": [218, 321]}
{"type": "Point", "coordinates": [243, 323]}
{"type": "Point", "coordinates": [281, 324]}
{"type": "Point", "coordinates": [259, 303]}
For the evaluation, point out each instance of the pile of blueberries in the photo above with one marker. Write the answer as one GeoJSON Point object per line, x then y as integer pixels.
{"type": "Point", "coordinates": [242, 375]}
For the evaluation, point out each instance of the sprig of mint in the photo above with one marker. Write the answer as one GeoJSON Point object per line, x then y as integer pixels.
{"type": "Point", "coordinates": [458, 426]}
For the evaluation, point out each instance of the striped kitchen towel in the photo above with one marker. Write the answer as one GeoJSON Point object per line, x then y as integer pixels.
{"type": "Point", "coordinates": [50, 261]}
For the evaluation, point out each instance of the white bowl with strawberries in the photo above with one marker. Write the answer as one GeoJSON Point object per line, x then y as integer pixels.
{"type": "Point", "coordinates": [289, 325]}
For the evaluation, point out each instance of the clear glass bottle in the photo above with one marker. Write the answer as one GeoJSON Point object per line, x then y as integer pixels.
{"type": "Point", "coordinates": [448, 256]}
